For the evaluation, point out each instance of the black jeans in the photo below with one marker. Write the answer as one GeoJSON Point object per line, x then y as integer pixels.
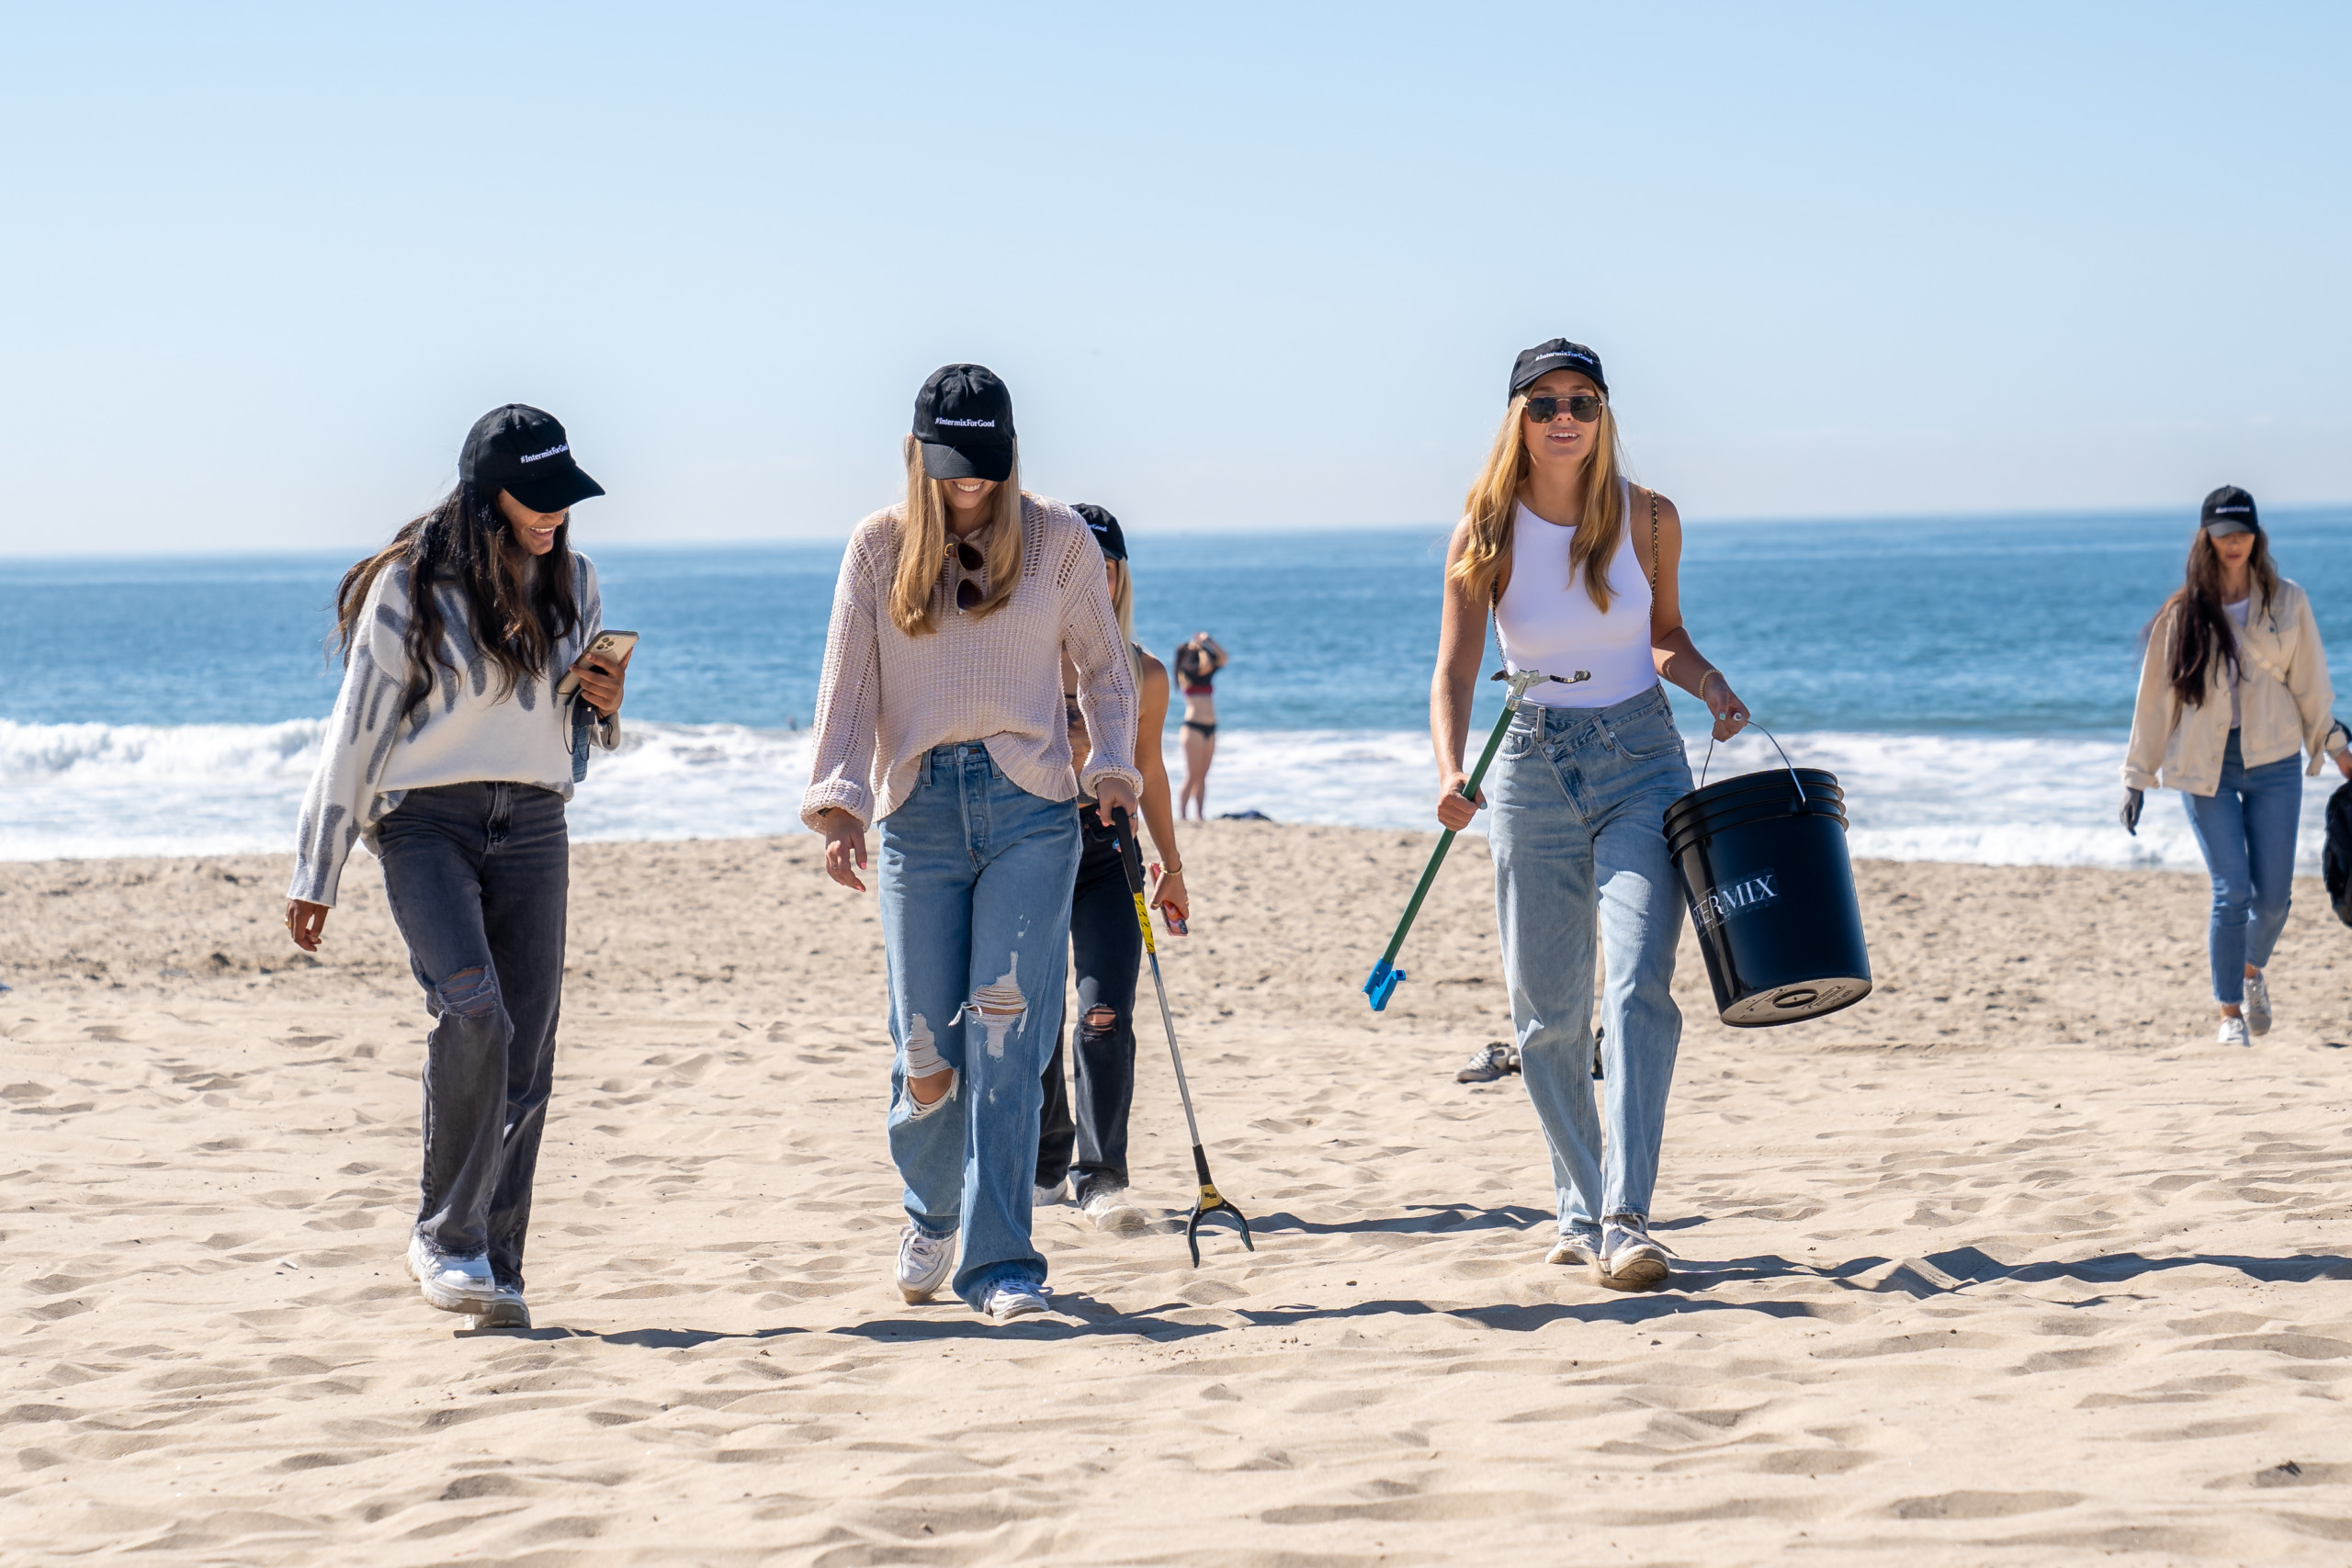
{"type": "Point", "coordinates": [477, 875]}
{"type": "Point", "coordinates": [1106, 954]}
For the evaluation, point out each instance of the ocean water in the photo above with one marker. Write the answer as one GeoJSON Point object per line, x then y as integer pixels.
{"type": "Point", "coordinates": [1969, 680]}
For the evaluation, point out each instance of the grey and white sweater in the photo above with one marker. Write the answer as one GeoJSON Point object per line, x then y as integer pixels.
{"type": "Point", "coordinates": [465, 731]}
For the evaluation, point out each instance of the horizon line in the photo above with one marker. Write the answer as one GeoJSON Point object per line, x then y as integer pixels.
{"type": "Point", "coordinates": [2015, 514]}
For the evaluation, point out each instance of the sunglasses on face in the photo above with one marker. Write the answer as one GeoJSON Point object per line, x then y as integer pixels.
{"type": "Point", "coordinates": [971, 587]}
{"type": "Point", "coordinates": [1583, 408]}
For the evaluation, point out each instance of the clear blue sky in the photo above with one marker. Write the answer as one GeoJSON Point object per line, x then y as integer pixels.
{"type": "Point", "coordinates": [1244, 266]}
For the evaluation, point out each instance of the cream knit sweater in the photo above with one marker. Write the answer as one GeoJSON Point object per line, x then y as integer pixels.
{"type": "Point", "coordinates": [468, 731]}
{"type": "Point", "coordinates": [886, 698]}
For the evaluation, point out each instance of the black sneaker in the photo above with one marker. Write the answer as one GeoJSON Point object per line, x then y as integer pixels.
{"type": "Point", "coordinates": [1495, 1059]}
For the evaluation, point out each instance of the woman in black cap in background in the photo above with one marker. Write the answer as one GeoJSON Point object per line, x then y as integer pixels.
{"type": "Point", "coordinates": [1106, 948]}
{"type": "Point", "coordinates": [2233, 688]}
{"type": "Point", "coordinates": [452, 751]}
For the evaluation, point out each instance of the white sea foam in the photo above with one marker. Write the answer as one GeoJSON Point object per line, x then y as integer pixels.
{"type": "Point", "coordinates": [82, 790]}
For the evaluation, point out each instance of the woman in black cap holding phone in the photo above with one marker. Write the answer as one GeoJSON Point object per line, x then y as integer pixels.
{"type": "Point", "coordinates": [940, 721]}
{"type": "Point", "coordinates": [1580, 570]}
{"type": "Point", "coordinates": [454, 745]}
{"type": "Point", "coordinates": [1106, 949]}
{"type": "Point", "coordinates": [2233, 689]}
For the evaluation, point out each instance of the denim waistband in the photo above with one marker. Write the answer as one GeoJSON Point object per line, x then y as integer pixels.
{"type": "Point", "coordinates": [957, 755]}
{"type": "Point", "coordinates": [1555, 720]}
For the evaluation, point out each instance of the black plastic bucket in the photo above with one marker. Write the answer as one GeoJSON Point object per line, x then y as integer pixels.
{"type": "Point", "coordinates": [1770, 887]}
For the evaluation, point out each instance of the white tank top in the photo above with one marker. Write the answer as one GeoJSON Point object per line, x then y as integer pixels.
{"type": "Point", "coordinates": [1546, 621]}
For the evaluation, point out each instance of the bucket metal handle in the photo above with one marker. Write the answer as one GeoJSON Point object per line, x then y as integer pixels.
{"type": "Point", "coordinates": [1775, 740]}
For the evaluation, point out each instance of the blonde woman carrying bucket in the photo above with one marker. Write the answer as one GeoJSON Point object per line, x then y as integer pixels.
{"type": "Point", "coordinates": [1580, 571]}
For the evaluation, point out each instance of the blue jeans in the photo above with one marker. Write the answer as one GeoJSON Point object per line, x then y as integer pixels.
{"type": "Point", "coordinates": [2246, 828]}
{"type": "Point", "coordinates": [1579, 800]}
{"type": "Point", "coordinates": [974, 888]}
{"type": "Point", "coordinates": [478, 875]}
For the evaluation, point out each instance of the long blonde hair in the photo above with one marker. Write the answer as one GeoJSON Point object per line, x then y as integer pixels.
{"type": "Point", "coordinates": [1492, 510]}
{"type": "Point", "coordinates": [1122, 604]}
{"type": "Point", "coordinates": [922, 547]}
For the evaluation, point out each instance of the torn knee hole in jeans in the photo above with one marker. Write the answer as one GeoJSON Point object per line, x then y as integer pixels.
{"type": "Point", "coordinates": [469, 993]}
{"type": "Point", "coordinates": [1099, 1021]}
{"type": "Point", "coordinates": [999, 1007]}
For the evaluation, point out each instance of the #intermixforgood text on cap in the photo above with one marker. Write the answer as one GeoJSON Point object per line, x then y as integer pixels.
{"type": "Point", "coordinates": [1555, 354]}
{"type": "Point", "coordinates": [2229, 510]}
{"type": "Point", "coordinates": [524, 451]}
{"type": "Point", "coordinates": [964, 420]}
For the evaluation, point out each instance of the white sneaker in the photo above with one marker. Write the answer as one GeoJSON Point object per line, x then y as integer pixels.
{"type": "Point", "coordinates": [1106, 1205]}
{"type": "Point", "coordinates": [1016, 1298]}
{"type": "Point", "coordinates": [453, 1284]}
{"type": "Point", "coordinates": [924, 1263]}
{"type": "Point", "coordinates": [2232, 1033]}
{"type": "Point", "coordinates": [1048, 1197]}
{"type": "Point", "coordinates": [2257, 1004]}
{"type": "Point", "coordinates": [1629, 1260]}
{"type": "Point", "coordinates": [508, 1311]}
{"type": "Point", "coordinates": [1578, 1244]}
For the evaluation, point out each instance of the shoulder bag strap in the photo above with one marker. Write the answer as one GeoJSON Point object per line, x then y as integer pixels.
{"type": "Point", "coordinates": [1652, 550]}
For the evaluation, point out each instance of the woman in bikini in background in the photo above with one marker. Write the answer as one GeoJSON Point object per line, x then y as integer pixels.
{"type": "Point", "coordinates": [1197, 663]}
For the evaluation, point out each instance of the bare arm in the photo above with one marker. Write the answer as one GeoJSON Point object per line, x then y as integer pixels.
{"type": "Point", "coordinates": [1461, 642]}
{"type": "Point", "coordinates": [1159, 810]}
{"type": "Point", "coordinates": [1677, 659]}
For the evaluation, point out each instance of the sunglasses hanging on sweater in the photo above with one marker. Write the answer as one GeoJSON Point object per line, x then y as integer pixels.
{"type": "Point", "coordinates": [970, 566]}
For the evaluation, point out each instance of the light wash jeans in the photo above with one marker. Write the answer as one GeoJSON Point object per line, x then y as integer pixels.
{"type": "Point", "coordinates": [975, 886]}
{"type": "Point", "coordinates": [478, 875]}
{"type": "Point", "coordinates": [1578, 801]}
{"type": "Point", "coordinates": [2246, 828]}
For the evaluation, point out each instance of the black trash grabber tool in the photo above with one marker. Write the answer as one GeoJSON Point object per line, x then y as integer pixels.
{"type": "Point", "coordinates": [1384, 973]}
{"type": "Point", "coordinates": [1210, 1201]}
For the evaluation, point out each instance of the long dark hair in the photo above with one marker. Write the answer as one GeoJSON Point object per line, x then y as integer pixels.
{"type": "Point", "coordinates": [2202, 641]}
{"type": "Point", "coordinates": [516, 614]}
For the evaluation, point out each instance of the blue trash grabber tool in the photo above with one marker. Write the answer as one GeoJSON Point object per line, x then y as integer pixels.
{"type": "Point", "coordinates": [1384, 973]}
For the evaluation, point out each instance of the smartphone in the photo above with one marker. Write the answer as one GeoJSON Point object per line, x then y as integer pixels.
{"type": "Point", "coordinates": [1176, 924]}
{"type": "Point", "coordinates": [613, 647]}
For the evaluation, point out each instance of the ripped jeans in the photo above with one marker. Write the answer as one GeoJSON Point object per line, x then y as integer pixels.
{"type": "Point", "coordinates": [1106, 957]}
{"type": "Point", "coordinates": [974, 879]}
{"type": "Point", "coordinates": [477, 875]}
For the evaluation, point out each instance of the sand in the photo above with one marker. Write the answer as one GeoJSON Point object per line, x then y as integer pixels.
{"type": "Point", "coordinates": [2010, 1264]}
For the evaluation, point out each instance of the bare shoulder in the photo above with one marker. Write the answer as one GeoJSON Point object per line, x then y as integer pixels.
{"type": "Point", "coordinates": [1153, 669]}
{"type": "Point", "coordinates": [1459, 540]}
{"type": "Point", "coordinates": [1669, 521]}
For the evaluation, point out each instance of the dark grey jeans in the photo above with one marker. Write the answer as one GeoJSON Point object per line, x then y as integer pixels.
{"type": "Point", "coordinates": [1106, 957]}
{"type": "Point", "coordinates": [477, 875]}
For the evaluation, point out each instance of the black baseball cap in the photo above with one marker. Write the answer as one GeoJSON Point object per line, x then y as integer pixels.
{"type": "Point", "coordinates": [1553, 354]}
{"type": "Point", "coordinates": [524, 451]}
{"type": "Point", "coordinates": [964, 419]}
{"type": "Point", "coordinates": [1106, 530]}
{"type": "Point", "coordinates": [2229, 510]}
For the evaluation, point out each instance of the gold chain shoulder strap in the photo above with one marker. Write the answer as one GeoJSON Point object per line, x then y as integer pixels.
{"type": "Point", "coordinates": [1652, 550]}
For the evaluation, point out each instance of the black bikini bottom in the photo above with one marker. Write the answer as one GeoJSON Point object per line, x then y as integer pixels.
{"type": "Point", "coordinates": [1209, 731]}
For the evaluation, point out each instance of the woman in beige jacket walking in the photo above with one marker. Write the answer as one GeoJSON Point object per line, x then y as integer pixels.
{"type": "Point", "coordinates": [2234, 689]}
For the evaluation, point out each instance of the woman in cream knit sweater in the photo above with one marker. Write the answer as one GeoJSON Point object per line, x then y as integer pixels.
{"type": "Point", "coordinates": [2234, 689]}
{"type": "Point", "coordinates": [940, 722]}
